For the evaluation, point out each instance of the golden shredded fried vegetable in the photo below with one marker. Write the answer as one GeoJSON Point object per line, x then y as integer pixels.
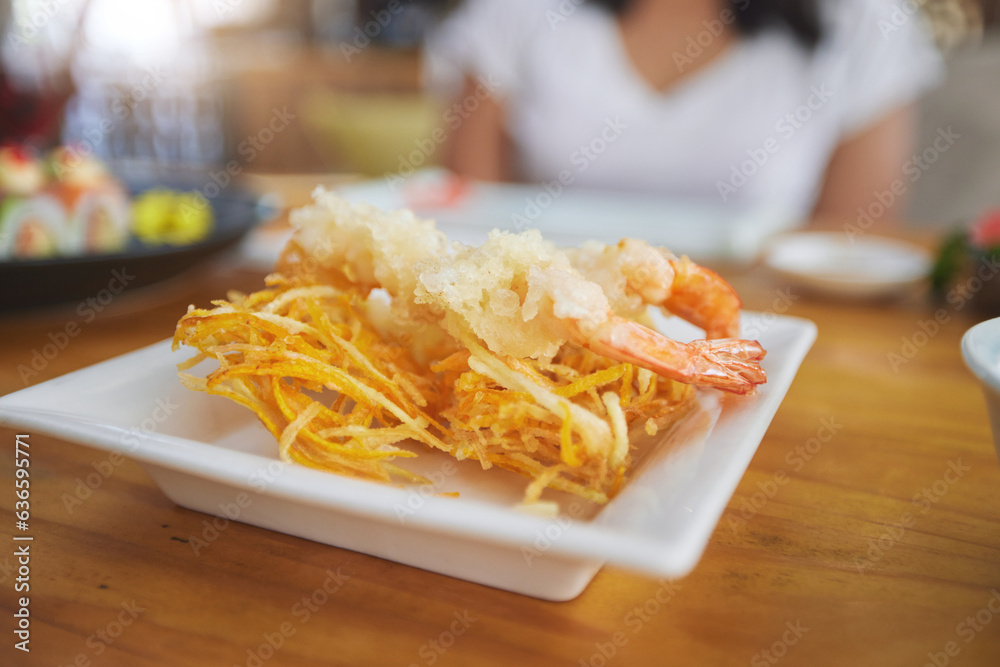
{"type": "Point", "coordinates": [339, 395]}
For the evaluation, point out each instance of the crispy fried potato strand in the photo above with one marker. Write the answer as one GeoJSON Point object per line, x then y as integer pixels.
{"type": "Point", "coordinates": [291, 354]}
{"type": "Point", "coordinates": [340, 396]}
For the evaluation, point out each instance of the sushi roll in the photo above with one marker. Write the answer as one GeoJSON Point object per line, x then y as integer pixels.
{"type": "Point", "coordinates": [99, 221]}
{"type": "Point", "coordinates": [97, 205]}
{"type": "Point", "coordinates": [21, 173]}
{"type": "Point", "coordinates": [32, 227]}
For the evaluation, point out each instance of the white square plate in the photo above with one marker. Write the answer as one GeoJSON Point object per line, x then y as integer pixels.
{"type": "Point", "coordinates": [211, 455]}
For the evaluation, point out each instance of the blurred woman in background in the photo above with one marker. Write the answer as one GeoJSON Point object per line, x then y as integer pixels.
{"type": "Point", "coordinates": [803, 105]}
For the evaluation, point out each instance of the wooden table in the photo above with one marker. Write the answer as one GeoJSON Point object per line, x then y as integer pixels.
{"type": "Point", "coordinates": [865, 532]}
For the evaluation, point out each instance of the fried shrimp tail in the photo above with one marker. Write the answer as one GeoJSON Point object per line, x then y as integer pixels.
{"type": "Point", "coordinates": [728, 364]}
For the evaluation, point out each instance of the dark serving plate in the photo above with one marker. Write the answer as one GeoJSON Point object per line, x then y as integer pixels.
{"type": "Point", "coordinates": [41, 282]}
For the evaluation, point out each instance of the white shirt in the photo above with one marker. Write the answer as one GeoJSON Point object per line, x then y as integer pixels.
{"type": "Point", "coordinates": [757, 126]}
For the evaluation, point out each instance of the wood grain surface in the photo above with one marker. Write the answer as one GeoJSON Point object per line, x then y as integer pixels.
{"type": "Point", "coordinates": [865, 532]}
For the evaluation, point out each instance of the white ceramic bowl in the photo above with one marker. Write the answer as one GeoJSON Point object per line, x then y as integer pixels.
{"type": "Point", "coordinates": [981, 350]}
{"type": "Point", "coordinates": [864, 267]}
